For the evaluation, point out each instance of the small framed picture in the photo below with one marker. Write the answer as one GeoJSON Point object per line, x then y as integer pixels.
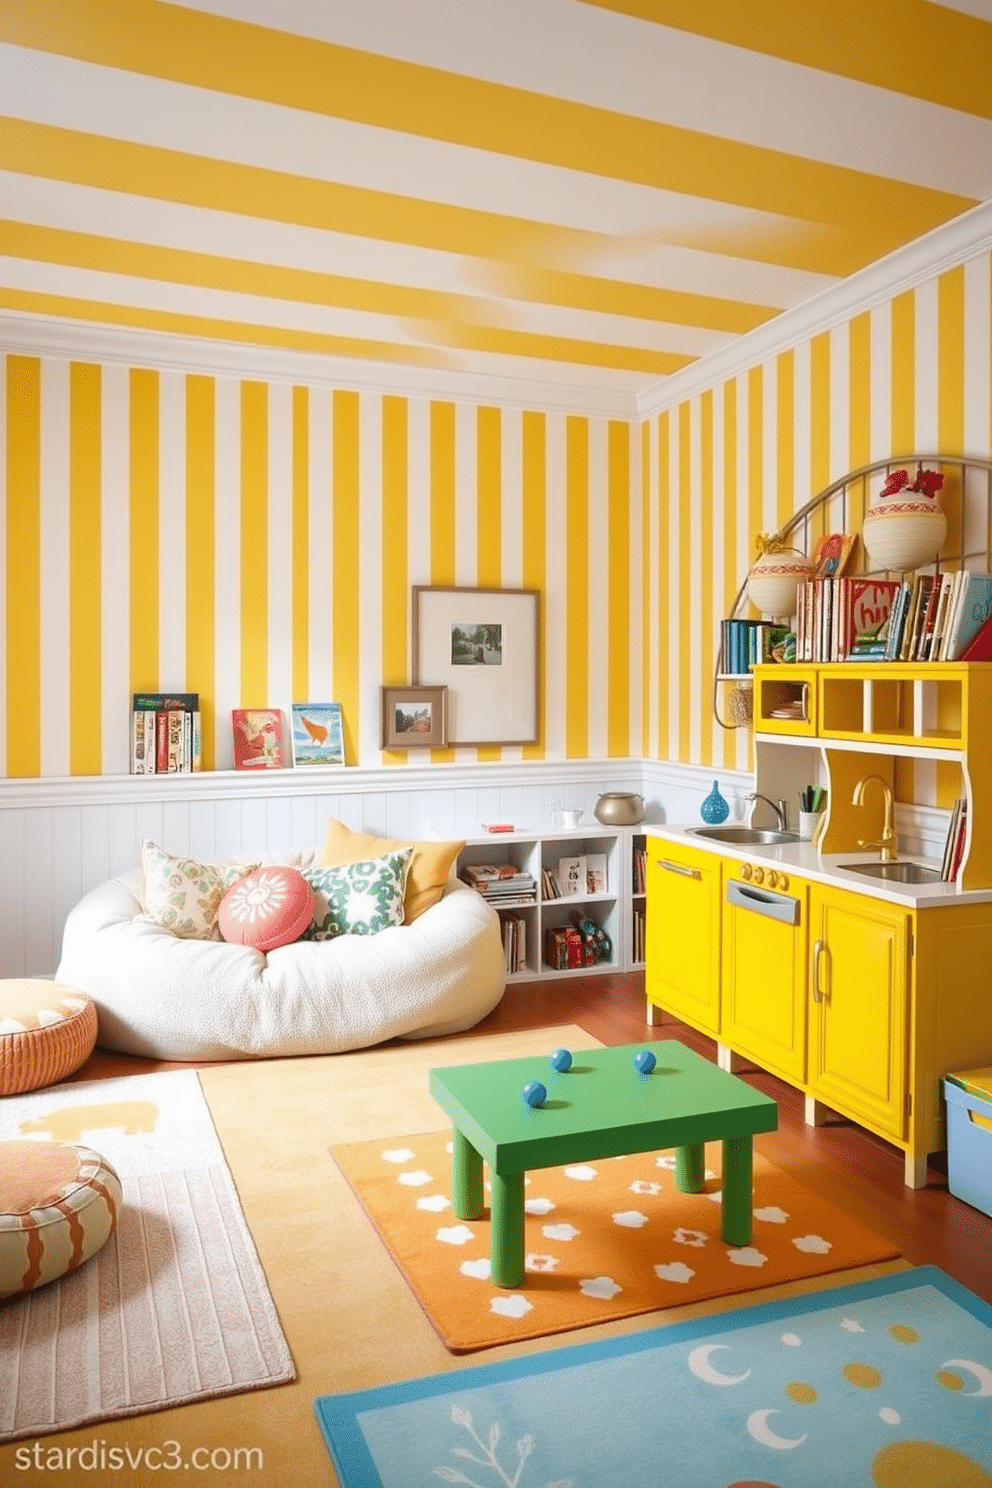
{"type": "Point", "coordinates": [318, 737]}
{"type": "Point", "coordinates": [414, 717]}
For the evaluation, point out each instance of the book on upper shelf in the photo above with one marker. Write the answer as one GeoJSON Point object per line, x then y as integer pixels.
{"type": "Point", "coordinates": [980, 648]}
{"type": "Point", "coordinates": [972, 612]}
{"type": "Point", "coordinates": [165, 733]}
{"type": "Point", "coordinates": [936, 638]}
{"type": "Point", "coordinates": [833, 554]}
{"type": "Point", "coordinates": [259, 739]}
{"type": "Point", "coordinates": [867, 604]}
{"type": "Point", "coordinates": [595, 873]}
{"type": "Point", "coordinates": [747, 643]}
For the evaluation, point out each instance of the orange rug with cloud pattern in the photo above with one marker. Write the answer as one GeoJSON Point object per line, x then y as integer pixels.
{"type": "Point", "coordinates": [604, 1240]}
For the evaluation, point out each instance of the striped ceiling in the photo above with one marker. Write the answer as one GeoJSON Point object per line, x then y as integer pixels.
{"type": "Point", "coordinates": [581, 195]}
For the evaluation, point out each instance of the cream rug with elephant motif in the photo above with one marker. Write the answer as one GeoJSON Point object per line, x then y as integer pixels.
{"type": "Point", "coordinates": [175, 1307]}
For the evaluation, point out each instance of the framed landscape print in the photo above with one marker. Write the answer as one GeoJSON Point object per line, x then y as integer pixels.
{"type": "Point", "coordinates": [414, 717]}
{"type": "Point", "coordinates": [482, 644]}
{"type": "Point", "coordinates": [318, 738]}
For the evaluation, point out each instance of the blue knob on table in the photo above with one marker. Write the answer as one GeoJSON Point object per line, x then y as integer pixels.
{"type": "Point", "coordinates": [534, 1093]}
{"type": "Point", "coordinates": [644, 1061]}
{"type": "Point", "coordinates": [561, 1060]}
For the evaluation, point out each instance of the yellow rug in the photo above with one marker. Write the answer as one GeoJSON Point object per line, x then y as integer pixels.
{"type": "Point", "coordinates": [349, 1317]}
{"type": "Point", "coordinates": [603, 1240]}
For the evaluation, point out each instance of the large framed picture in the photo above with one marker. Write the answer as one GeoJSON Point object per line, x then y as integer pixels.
{"type": "Point", "coordinates": [482, 644]}
{"type": "Point", "coordinates": [318, 738]}
{"type": "Point", "coordinates": [414, 717]}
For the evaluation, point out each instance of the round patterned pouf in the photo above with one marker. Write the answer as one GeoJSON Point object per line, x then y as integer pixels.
{"type": "Point", "coordinates": [46, 1032]}
{"type": "Point", "coordinates": [58, 1205]}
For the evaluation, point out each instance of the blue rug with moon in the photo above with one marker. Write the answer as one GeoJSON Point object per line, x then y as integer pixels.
{"type": "Point", "coordinates": [885, 1383]}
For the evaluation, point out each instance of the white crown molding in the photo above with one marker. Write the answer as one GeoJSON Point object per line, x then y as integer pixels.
{"type": "Point", "coordinates": [944, 248]}
{"type": "Point", "coordinates": [33, 335]}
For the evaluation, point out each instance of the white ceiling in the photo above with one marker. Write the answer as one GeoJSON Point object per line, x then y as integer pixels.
{"type": "Point", "coordinates": [583, 195]}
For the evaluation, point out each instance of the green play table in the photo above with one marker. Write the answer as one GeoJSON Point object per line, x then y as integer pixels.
{"type": "Point", "coordinates": [601, 1107]}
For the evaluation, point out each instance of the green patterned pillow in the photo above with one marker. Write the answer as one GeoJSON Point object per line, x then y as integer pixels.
{"type": "Point", "coordinates": [183, 896]}
{"type": "Point", "coordinates": [358, 898]}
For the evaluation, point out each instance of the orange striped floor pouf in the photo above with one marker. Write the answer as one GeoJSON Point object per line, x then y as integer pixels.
{"type": "Point", "coordinates": [46, 1032]}
{"type": "Point", "coordinates": [58, 1204]}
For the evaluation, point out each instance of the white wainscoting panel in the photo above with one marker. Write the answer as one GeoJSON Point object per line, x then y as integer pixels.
{"type": "Point", "coordinates": [62, 837]}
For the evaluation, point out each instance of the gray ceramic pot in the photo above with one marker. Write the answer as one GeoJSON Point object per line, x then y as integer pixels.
{"type": "Point", "coordinates": [619, 809]}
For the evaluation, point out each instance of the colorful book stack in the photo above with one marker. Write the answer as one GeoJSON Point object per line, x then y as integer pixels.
{"type": "Point", "coordinates": [165, 733]}
{"type": "Point", "coordinates": [504, 885]}
{"type": "Point", "coordinates": [941, 617]}
{"type": "Point", "coordinates": [932, 617]}
{"type": "Point", "coordinates": [843, 619]}
{"type": "Point", "coordinates": [748, 643]}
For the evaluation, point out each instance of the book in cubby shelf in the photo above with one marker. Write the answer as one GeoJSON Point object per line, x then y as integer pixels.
{"type": "Point", "coordinates": [165, 733]}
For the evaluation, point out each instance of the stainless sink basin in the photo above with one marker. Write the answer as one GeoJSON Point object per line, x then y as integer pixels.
{"type": "Point", "coordinates": [745, 835]}
{"type": "Point", "coordinates": [908, 873]}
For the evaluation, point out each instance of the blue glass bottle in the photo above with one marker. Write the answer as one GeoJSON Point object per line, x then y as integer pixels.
{"type": "Point", "coordinates": [714, 808]}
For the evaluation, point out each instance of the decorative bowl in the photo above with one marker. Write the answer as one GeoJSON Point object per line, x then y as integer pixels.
{"type": "Point", "coordinates": [774, 580]}
{"type": "Point", "coordinates": [619, 809]}
{"type": "Point", "coordinates": [904, 534]}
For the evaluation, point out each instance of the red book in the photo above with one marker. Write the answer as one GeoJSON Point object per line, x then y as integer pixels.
{"type": "Point", "coordinates": [867, 606]}
{"type": "Point", "coordinates": [162, 742]}
{"type": "Point", "coordinates": [962, 833]}
{"type": "Point", "coordinates": [981, 647]}
{"type": "Point", "coordinates": [576, 950]}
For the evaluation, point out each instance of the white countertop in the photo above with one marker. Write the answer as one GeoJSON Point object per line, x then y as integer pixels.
{"type": "Point", "coordinates": [803, 859]}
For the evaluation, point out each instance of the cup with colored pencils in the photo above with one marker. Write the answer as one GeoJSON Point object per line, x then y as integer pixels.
{"type": "Point", "coordinates": [812, 800]}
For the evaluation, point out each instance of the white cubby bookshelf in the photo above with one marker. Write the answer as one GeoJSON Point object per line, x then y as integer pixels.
{"type": "Point", "coordinates": [615, 910]}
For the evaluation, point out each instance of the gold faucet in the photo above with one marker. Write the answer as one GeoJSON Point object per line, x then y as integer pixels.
{"type": "Point", "coordinates": [888, 844]}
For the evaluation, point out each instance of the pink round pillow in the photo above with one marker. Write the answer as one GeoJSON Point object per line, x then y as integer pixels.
{"type": "Point", "coordinates": [267, 908]}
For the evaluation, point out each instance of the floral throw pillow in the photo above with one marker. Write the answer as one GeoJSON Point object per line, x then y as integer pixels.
{"type": "Point", "coordinates": [358, 898]}
{"type": "Point", "coordinates": [182, 895]}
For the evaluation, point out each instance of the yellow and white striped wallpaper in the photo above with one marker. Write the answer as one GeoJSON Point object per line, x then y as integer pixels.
{"type": "Point", "coordinates": [256, 541]}
{"type": "Point", "coordinates": [738, 458]}
{"type": "Point", "coordinates": [586, 194]}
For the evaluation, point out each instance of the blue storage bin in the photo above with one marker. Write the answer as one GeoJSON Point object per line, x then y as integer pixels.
{"type": "Point", "coordinates": [969, 1137]}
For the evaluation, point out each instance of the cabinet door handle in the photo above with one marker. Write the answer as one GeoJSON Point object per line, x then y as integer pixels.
{"type": "Point", "coordinates": [682, 868]}
{"type": "Point", "coordinates": [819, 950]}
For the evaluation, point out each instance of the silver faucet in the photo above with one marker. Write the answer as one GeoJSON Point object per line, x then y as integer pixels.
{"type": "Point", "coordinates": [777, 806]}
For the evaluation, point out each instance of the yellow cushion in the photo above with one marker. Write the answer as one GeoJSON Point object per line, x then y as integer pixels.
{"type": "Point", "coordinates": [430, 866]}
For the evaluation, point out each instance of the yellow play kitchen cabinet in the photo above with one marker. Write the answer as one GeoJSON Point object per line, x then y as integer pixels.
{"type": "Point", "coordinates": [845, 968]}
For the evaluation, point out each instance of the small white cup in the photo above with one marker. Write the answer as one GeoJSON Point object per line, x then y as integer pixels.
{"type": "Point", "coordinates": [571, 818]}
{"type": "Point", "coordinates": [808, 822]}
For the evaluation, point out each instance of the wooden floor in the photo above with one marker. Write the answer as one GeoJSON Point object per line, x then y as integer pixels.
{"type": "Point", "coordinates": [854, 1169]}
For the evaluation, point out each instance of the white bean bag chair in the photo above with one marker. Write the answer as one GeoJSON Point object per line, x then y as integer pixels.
{"type": "Point", "coordinates": [164, 997]}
